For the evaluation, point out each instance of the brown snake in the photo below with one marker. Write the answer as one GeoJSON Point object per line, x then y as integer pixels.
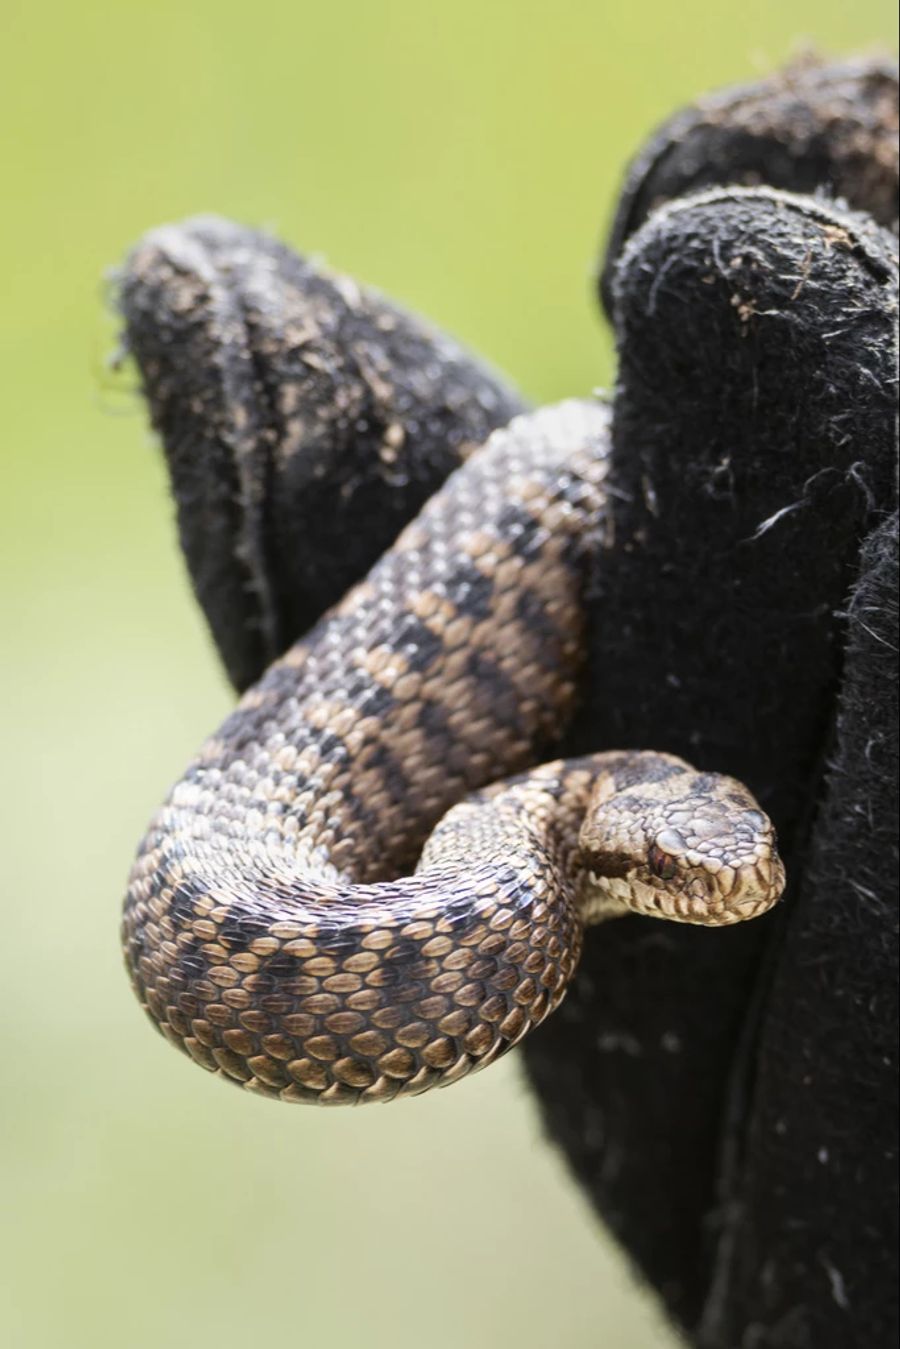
{"type": "Point", "coordinates": [266, 930]}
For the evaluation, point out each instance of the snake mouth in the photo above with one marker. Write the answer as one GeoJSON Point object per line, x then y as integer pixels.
{"type": "Point", "coordinates": [732, 895]}
{"type": "Point", "coordinates": [702, 898]}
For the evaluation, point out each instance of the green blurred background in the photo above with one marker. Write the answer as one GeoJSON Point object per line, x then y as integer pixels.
{"type": "Point", "coordinates": [463, 157]}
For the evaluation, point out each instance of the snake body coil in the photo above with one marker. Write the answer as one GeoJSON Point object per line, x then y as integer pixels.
{"type": "Point", "coordinates": [265, 929]}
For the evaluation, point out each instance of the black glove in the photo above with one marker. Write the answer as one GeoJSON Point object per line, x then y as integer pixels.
{"type": "Point", "coordinates": [728, 1102]}
{"type": "Point", "coordinates": [724, 1097]}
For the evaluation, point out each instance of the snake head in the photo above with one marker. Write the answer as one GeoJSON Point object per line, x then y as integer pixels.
{"type": "Point", "coordinates": [693, 847]}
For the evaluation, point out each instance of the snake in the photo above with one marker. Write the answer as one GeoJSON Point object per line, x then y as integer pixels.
{"type": "Point", "coordinates": [361, 887]}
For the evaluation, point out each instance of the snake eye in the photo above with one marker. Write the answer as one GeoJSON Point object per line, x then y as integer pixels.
{"type": "Point", "coordinates": [662, 864]}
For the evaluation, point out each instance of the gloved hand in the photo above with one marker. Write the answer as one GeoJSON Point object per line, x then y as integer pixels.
{"type": "Point", "coordinates": [722, 1096]}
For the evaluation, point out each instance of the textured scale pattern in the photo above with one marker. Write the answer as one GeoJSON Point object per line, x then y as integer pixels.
{"type": "Point", "coordinates": [669, 842]}
{"type": "Point", "coordinates": [264, 929]}
{"type": "Point", "coordinates": [277, 926]}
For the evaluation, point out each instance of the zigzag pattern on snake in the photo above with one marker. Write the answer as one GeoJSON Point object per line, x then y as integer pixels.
{"type": "Point", "coordinates": [271, 929]}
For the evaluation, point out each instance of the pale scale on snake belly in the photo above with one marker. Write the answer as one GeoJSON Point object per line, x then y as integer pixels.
{"type": "Point", "coordinates": [274, 926]}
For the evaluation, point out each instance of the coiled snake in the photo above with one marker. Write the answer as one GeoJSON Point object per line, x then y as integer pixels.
{"type": "Point", "coordinates": [265, 929]}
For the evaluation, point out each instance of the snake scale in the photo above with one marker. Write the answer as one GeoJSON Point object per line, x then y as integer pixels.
{"type": "Point", "coordinates": [342, 900]}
